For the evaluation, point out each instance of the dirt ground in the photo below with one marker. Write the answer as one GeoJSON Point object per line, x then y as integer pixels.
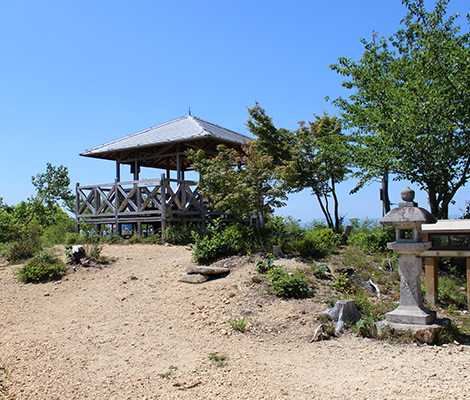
{"type": "Point", "coordinates": [130, 330]}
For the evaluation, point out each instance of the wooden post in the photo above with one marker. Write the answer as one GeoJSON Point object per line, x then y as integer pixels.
{"type": "Point", "coordinates": [118, 171]}
{"type": "Point", "coordinates": [77, 205]}
{"type": "Point", "coordinates": [468, 283]}
{"type": "Point", "coordinates": [431, 280]}
{"type": "Point", "coordinates": [163, 204]}
{"type": "Point", "coordinates": [117, 204]}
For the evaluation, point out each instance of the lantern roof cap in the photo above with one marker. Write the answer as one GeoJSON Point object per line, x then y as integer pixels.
{"type": "Point", "coordinates": [408, 212]}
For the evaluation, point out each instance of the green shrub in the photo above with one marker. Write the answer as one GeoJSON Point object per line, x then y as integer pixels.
{"type": "Point", "coordinates": [43, 267]}
{"type": "Point", "coordinates": [93, 251]}
{"type": "Point", "coordinates": [74, 238]}
{"type": "Point", "coordinates": [22, 251]}
{"type": "Point", "coordinates": [135, 239]}
{"type": "Point", "coordinates": [112, 239]}
{"type": "Point", "coordinates": [216, 243]}
{"type": "Point", "coordinates": [365, 327]}
{"type": "Point", "coordinates": [373, 240]}
{"type": "Point", "coordinates": [315, 243]}
{"type": "Point", "coordinates": [179, 234]}
{"type": "Point", "coordinates": [343, 284]}
{"type": "Point", "coordinates": [321, 271]}
{"type": "Point", "coordinates": [263, 266]}
{"type": "Point", "coordinates": [289, 285]}
{"type": "Point", "coordinates": [59, 231]}
{"type": "Point", "coordinates": [239, 324]}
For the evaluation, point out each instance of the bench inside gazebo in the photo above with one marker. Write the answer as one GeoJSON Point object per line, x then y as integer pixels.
{"type": "Point", "coordinates": [162, 199]}
{"type": "Point", "coordinates": [449, 238]}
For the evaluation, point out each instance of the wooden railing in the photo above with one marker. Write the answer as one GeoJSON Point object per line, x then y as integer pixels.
{"type": "Point", "coordinates": [146, 200]}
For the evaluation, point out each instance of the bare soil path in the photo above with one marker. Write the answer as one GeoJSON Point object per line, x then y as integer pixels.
{"type": "Point", "coordinates": [130, 330]}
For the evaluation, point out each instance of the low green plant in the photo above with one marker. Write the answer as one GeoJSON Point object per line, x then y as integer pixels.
{"type": "Point", "coordinates": [135, 239]}
{"type": "Point", "coordinates": [289, 284]}
{"type": "Point", "coordinates": [365, 327]}
{"type": "Point", "coordinates": [239, 324]}
{"type": "Point", "coordinates": [321, 271]}
{"type": "Point", "coordinates": [179, 234]}
{"type": "Point", "coordinates": [452, 292]}
{"type": "Point", "coordinates": [371, 237]}
{"type": "Point", "coordinates": [216, 243]}
{"type": "Point", "coordinates": [3, 374]}
{"type": "Point", "coordinates": [93, 251]}
{"type": "Point", "coordinates": [448, 334]}
{"type": "Point", "coordinates": [314, 243]}
{"type": "Point", "coordinates": [264, 265]}
{"type": "Point", "coordinates": [112, 239]}
{"type": "Point", "coordinates": [170, 371]}
{"type": "Point", "coordinates": [43, 267]}
{"type": "Point", "coordinates": [343, 283]}
{"type": "Point", "coordinates": [74, 238]}
{"type": "Point", "coordinates": [218, 360]}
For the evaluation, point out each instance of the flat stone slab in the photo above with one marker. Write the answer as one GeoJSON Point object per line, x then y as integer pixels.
{"type": "Point", "coordinates": [423, 333]}
{"type": "Point", "coordinates": [201, 269]}
{"type": "Point", "coordinates": [194, 278]}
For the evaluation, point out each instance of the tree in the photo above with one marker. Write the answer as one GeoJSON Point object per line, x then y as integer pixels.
{"type": "Point", "coordinates": [320, 162]}
{"type": "Point", "coordinates": [239, 182]}
{"type": "Point", "coordinates": [314, 156]}
{"type": "Point", "coordinates": [410, 111]}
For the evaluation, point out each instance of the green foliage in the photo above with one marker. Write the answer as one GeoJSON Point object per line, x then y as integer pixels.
{"type": "Point", "coordinates": [321, 271]}
{"type": "Point", "coordinates": [52, 187]}
{"type": "Point", "coordinates": [343, 284]}
{"type": "Point", "coordinates": [315, 156]}
{"type": "Point", "coordinates": [263, 266]}
{"type": "Point", "coordinates": [243, 182]}
{"type": "Point", "coordinates": [28, 243]}
{"type": "Point", "coordinates": [43, 267]}
{"type": "Point", "coordinates": [58, 233]}
{"type": "Point", "coordinates": [411, 101]}
{"type": "Point", "coordinates": [452, 292]}
{"type": "Point", "coordinates": [135, 239]}
{"type": "Point", "coordinates": [217, 242]}
{"type": "Point", "coordinates": [239, 324]}
{"type": "Point", "coordinates": [220, 360]}
{"type": "Point", "coordinates": [93, 251]}
{"type": "Point", "coordinates": [179, 234]}
{"type": "Point", "coordinates": [365, 327]}
{"type": "Point", "coordinates": [74, 238]}
{"type": "Point", "coordinates": [314, 244]}
{"type": "Point", "coordinates": [170, 371]}
{"type": "Point", "coordinates": [372, 239]}
{"type": "Point", "coordinates": [3, 374]}
{"type": "Point", "coordinates": [113, 239]}
{"type": "Point", "coordinates": [289, 285]}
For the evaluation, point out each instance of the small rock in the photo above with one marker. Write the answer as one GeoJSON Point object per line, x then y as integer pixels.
{"type": "Point", "coordinates": [200, 269]}
{"type": "Point", "coordinates": [194, 278]}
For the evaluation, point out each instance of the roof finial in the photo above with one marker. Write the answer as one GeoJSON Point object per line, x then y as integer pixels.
{"type": "Point", "coordinates": [189, 111]}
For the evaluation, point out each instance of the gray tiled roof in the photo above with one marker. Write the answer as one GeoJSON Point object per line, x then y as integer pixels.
{"type": "Point", "coordinates": [182, 129]}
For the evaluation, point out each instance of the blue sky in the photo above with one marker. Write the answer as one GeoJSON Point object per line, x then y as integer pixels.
{"type": "Point", "coordinates": [75, 75]}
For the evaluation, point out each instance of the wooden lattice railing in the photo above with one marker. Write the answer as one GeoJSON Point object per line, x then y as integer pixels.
{"type": "Point", "coordinates": [150, 199]}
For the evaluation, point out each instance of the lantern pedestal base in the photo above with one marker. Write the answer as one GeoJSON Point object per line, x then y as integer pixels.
{"type": "Point", "coordinates": [411, 315]}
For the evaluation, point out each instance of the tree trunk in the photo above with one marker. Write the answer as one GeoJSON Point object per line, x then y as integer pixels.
{"type": "Point", "coordinates": [336, 206]}
{"type": "Point", "coordinates": [385, 196]}
{"type": "Point", "coordinates": [433, 203]}
{"type": "Point", "coordinates": [325, 211]}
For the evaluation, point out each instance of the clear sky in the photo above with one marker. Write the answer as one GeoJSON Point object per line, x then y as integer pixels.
{"type": "Point", "coordinates": [77, 74]}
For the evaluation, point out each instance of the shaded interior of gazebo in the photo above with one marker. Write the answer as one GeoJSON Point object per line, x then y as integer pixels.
{"type": "Point", "coordinates": [156, 200]}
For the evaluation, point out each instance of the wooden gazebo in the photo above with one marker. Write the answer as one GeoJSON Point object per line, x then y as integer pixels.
{"type": "Point", "coordinates": [152, 201]}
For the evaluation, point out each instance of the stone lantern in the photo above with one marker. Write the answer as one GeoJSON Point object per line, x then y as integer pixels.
{"type": "Point", "coordinates": [407, 219]}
